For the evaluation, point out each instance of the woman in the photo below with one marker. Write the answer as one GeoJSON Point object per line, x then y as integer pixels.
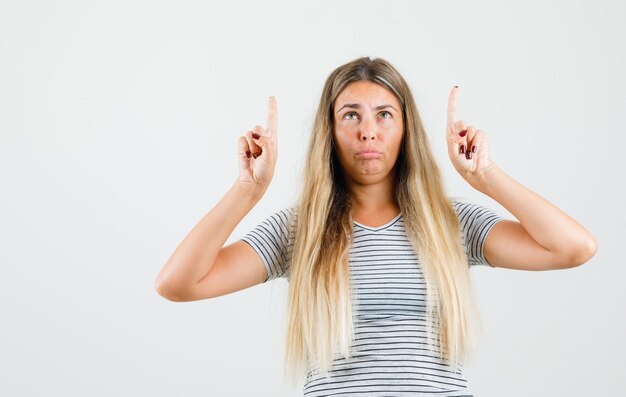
{"type": "Point", "coordinates": [376, 254]}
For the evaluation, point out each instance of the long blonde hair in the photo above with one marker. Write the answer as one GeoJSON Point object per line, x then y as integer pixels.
{"type": "Point", "coordinates": [320, 319]}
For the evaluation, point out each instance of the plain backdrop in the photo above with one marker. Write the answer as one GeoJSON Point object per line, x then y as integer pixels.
{"type": "Point", "coordinates": [119, 123]}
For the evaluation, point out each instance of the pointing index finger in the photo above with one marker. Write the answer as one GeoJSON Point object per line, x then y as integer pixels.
{"type": "Point", "coordinates": [272, 115]}
{"type": "Point", "coordinates": [452, 108]}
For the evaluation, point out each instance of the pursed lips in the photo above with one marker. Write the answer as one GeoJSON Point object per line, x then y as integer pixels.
{"type": "Point", "coordinates": [369, 154]}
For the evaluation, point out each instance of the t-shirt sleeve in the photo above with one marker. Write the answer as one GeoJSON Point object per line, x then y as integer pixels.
{"type": "Point", "coordinates": [273, 240]}
{"type": "Point", "coordinates": [476, 222]}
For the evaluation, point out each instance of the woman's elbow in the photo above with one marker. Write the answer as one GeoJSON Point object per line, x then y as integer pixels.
{"type": "Point", "coordinates": [584, 252]}
{"type": "Point", "coordinates": [167, 290]}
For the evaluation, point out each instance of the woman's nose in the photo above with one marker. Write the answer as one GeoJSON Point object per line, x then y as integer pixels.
{"type": "Point", "coordinates": [368, 130]}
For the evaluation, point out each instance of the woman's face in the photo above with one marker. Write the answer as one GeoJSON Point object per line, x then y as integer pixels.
{"type": "Point", "coordinates": [368, 130]}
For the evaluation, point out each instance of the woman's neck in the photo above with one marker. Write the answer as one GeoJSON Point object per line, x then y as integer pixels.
{"type": "Point", "coordinates": [378, 198]}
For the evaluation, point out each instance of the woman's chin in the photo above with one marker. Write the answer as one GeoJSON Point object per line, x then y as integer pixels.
{"type": "Point", "coordinates": [370, 176]}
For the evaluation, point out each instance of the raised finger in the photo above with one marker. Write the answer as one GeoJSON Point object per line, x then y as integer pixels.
{"type": "Point", "coordinates": [272, 116]}
{"type": "Point", "coordinates": [452, 108]}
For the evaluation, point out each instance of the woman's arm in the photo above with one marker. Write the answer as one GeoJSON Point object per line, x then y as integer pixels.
{"type": "Point", "coordinates": [185, 276]}
{"type": "Point", "coordinates": [197, 253]}
{"type": "Point", "coordinates": [545, 237]}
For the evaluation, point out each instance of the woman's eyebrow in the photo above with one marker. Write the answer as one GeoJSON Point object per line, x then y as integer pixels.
{"type": "Point", "coordinates": [358, 106]}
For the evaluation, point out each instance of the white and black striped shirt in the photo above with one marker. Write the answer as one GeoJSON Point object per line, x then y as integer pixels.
{"type": "Point", "coordinates": [391, 357]}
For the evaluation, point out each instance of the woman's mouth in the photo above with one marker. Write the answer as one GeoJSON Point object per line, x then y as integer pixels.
{"type": "Point", "coordinates": [368, 154]}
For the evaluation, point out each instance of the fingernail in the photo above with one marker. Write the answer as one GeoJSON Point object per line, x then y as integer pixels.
{"type": "Point", "coordinates": [474, 149]}
{"type": "Point", "coordinates": [462, 149]}
{"type": "Point", "coordinates": [463, 133]}
{"type": "Point", "coordinates": [255, 135]}
{"type": "Point", "coordinates": [248, 154]}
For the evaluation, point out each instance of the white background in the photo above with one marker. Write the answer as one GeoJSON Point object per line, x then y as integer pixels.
{"type": "Point", "coordinates": [119, 122]}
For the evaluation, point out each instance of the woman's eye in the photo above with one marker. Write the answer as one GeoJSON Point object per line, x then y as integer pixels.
{"type": "Point", "coordinates": [347, 115]}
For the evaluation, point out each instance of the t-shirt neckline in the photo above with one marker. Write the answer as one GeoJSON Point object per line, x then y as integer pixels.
{"type": "Point", "coordinates": [381, 227]}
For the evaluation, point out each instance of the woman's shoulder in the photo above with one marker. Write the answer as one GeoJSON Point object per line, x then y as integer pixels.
{"type": "Point", "coordinates": [286, 215]}
{"type": "Point", "coordinates": [464, 205]}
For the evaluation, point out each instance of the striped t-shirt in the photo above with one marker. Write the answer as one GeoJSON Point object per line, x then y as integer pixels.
{"type": "Point", "coordinates": [391, 357]}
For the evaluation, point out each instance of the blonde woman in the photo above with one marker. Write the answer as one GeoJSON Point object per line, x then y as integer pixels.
{"type": "Point", "coordinates": [376, 254]}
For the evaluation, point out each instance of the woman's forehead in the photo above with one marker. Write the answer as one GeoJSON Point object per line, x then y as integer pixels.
{"type": "Point", "coordinates": [366, 93]}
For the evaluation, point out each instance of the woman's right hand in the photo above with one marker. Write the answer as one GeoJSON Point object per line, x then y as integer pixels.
{"type": "Point", "coordinates": [258, 151]}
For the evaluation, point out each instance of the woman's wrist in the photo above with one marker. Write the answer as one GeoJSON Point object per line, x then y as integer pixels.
{"type": "Point", "coordinates": [249, 190]}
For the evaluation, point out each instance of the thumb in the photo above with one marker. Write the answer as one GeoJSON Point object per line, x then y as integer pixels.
{"type": "Point", "coordinates": [260, 136]}
{"type": "Point", "coordinates": [261, 140]}
{"type": "Point", "coordinates": [242, 147]}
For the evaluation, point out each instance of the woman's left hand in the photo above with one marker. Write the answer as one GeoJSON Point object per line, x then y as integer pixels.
{"type": "Point", "coordinates": [467, 146]}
